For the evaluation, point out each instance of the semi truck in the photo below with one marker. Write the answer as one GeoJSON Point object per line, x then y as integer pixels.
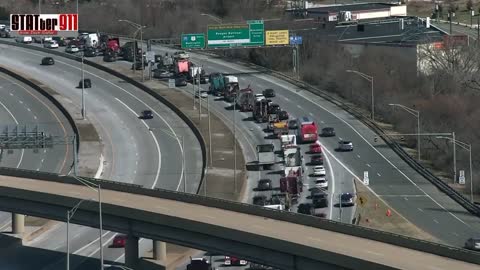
{"type": "Point", "coordinates": [288, 140]}
{"type": "Point", "coordinates": [246, 99]}
{"type": "Point", "coordinates": [266, 156]}
{"type": "Point", "coordinates": [292, 186]}
{"type": "Point", "coordinates": [231, 88]}
{"type": "Point", "coordinates": [127, 51]}
{"type": "Point", "coordinates": [217, 84]}
{"type": "Point", "coordinates": [260, 111]}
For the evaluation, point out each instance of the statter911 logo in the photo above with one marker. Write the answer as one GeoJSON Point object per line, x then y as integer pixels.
{"type": "Point", "coordinates": [43, 24]}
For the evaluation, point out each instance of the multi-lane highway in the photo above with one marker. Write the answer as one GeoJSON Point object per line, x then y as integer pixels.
{"type": "Point", "coordinates": [145, 152]}
{"type": "Point", "coordinates": [390, 177]}
{"type": "Point", "coordinates": [23, 107]}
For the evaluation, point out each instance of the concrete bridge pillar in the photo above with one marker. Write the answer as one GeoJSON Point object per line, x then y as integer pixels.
{"type": "Point", "coordinates": [160, 251]}
{"type": "Point", "coordinates": [131, 251]}
{"type": "Point", "coordinates": [18, 223]}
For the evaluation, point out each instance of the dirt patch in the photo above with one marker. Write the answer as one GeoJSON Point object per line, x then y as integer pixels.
{"type": "Point", "coordinates": [87, 132]}
{"type": "Point", "coordinates": [374, 213]}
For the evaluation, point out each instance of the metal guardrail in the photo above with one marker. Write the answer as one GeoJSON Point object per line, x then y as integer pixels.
{"type": "Point", "coordinates": [306, 220]}
{"type": "Point", "coordinates": [50, 98]}
{"type": "Point", "coordinates": [137, 84]}
{"type": "Point", "coordinates": [444, 187]}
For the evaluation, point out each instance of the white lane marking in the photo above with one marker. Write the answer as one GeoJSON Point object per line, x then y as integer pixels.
{"type": "Point", "coordinates": [154, 138]}
{"type": "Point", "coordinates": [35, 117]}
{"type": "Point", "coordinates": [273, 81]}
{"type": "Point", "coordinates": [11, 94]}
{"type": "Point", "coordinates": [420, 209]}
{"type": "Point", "coordinates": [16, 122]}
{"type": "Point", "coordinates": [368, 165]}
{"type": "Point", "coordinates": [436, 221]}
{"type": "Point", "coordinates": [298, 106]}
{"type": "Point", "coordinates": [340, 139]}
{"type": "Point", "coordinates": [286, 98]}
{"type": "Point", "coordinates": [329, 164]}
{"type": "Point", "coordinates": [28, 109]}
{"type": "Point", "coordinates": [42, 160]}
{"type": "Point", "coordinates": [105, 243]}
{"type": "Point", "coordinates": [405, 198]}
{"type": "Point", "coordinates": [379, 174]}
{"type": "Point", "coordinates": [311, 114]}
{"type": "Point", "coordinates": [358, 156]}
{"type": "Point", "coordinates": [456, 234]}
{"type": "Point", "coordinates": [412, 196]}
{"type": "Point", "coordinates": [89, 244]}
{"type": "Point", "coordinates": [21, 102]}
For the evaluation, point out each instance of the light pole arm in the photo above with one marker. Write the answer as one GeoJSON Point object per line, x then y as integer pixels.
{"type": "Point", "coordinates": [86, 183]}
{"type": "Point", "coordinates": [463, 145]}
{"type": "Point", "coordinates": [363, 75]}
{"type": "Point", "coordinates": [409, 110]}
{"type": "Point", "coordinates": [136, 25]}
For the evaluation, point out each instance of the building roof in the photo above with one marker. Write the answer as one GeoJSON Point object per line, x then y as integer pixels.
{"type": "Point", "coordinates": [350, 7]}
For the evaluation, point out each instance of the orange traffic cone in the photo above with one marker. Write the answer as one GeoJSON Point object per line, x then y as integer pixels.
{"type": "Point", "coordinates": [389, 213]}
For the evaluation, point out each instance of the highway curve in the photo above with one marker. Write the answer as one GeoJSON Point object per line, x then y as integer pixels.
{"type": "Point", "coordinates": [22, 106]}
{"type": "Point", "coordinates": [391, 178]}
{"type": "Point", "coordinates": [141, 152]}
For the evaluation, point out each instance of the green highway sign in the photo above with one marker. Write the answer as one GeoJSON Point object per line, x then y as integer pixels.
{"type": "Point", "coordinates": [232, 35]}
{"type": "Point", "coordinates": [193, 41]}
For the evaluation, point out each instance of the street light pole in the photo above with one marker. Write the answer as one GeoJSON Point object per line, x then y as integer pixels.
{"type": "Point", "coordinates": [215, 18]}
{"type": "Point", "coordinates": [141, 55]}
{"type": "Point", "coordinates": [416, 114]}
{"type": "Point", "coordinates": [234, 146]}
{"type": "Point", "coordinates": [467, 147]}
{"type": "Point", "coordinates": [84, 112]}
{"type": "Point", "coordinates": [454, 159]}
{"type": "Point", "coordinates": [370, 79]}
{"type": "Point", "coordinates": [70, 214]}
{"type": "Point", "coordinates": [139, 28]}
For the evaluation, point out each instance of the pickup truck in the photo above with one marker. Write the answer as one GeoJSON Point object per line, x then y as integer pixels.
{"type": "Point", "coordinates": [266, 156]}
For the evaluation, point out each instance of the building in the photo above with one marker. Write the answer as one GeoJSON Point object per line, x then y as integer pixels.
{"type": "Point", "coordinates": [348, 12]}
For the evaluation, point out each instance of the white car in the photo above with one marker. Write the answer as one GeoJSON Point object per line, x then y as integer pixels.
{"type": "Point", "coordinates": [319, 171]}
{"type": "Point", "coordinates": [259, 97]}
{"type": "Point", "coordinates": [321, 182]}
{"type": "Point", "coordinates": [72, 49]}
{"type": "Point", "coordinates": [50, 44]}
{"type": "Point", "coordinates": [24, 39]}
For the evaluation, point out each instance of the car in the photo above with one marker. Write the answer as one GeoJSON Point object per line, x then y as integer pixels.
{"type": "Point", "coordinates": [264, 184]}
{"type": "Point", "coordinates": [146, 114]}
{"type": "Point", "coordinates": [269, 93]}
{"type": "Point", "coordinates": [230, 260]}
{"type": "Point", "coordinates": [292, 124]}
{"type": "Point", "coordinates": [260, 200]}
{"type": "Point", "coordinates": [46, 39]}
{"type": "Point", "coordinates": [109, 57]}
{"type": "Point", "coordinates": [320, 200]}
{"type": "Point", "coordinates": [316, 160]}
{"type": "Point", "coordinates": [180, 81]}
{"type": "Point", "coordinates": [60, 40]}
{"type": "Point", "coordinates": [328, 132]}
{"type": "Point", "coordinates": [72, 49]}
{"type": "Point", "coordinates": [91, 52]}
{"type": "Point", "coordinates": [119, 241]}
{"type": "Point", "coordinates": [321, 182]}
{"type": "Point", "coordinates": [346, 199]}
{"type": "Point", "coordinates": [87, 83]}
{"type": "Point", "coordinates": [259, 97]}
{"type": "Point", "coordinates": [37, 39]}
{"type": "Point", "coordinates": [345, 146]}
{"type": "Point", "coordinates": [4, 33]}
{"type": "Point", "coordinates": [24, 39]}
{"type": "Point", "coordinates": [203, 94]}
{"type": "Point", "coordinates": [162, 73]}
{"type": "Point", "coordinates": [50, 44]}
{"type": "Point", "coordinates": [319, 171]}
{"type": "Point", "coordinates": [181, 55]}
{"type": "Point", "coordinates": [315, 148]}
{"type": "Point", "coordinates": [283, 115]}
{"type": "Point", "coordinates": [305, 208]}
{"type": "Point", "coordinates": [473, 243]}
{"type": "Point", "coordinates": [273, 108]}
{"type": "Point", "coordinates": [48, 61]}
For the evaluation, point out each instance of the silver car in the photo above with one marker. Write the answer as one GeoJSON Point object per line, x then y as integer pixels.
{"type": "Point", "coordinates": [345, 146]}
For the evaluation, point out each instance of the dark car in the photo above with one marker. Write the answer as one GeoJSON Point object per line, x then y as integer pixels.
{"type": "Point", "coordinates": [48, 61]}
{"type": "Point", "coordinates": [91, 52]}
{"type": "Point", "coordinates": [110, 57]}
{"type": "Point", "coordinates": [4, 33]}
{"type": "Point", "coordinates": [320, 200]}
{"type": "Point", "coordinates": [87, 83]}
{"type": "Point", "coordinates": [273, 108]}
{"type": "Point", "coordinates": [180, 81]}
{"type": "Point", "coordinates": [328, 132]}
{"type": "Point", "coordinates": [60, 41]}
{"type": "Point", "coordinates": [305, 208]}
{"type": "Point", "coordinates": [264, 184]}
{"type": "Point", "coordinates": [292, 124]}
{"type": "Point", "coordinates": [347, 199]}
{"type": "Point", "coordinates": [269, 93]}
{"type": "Point", "coordinates": [283, 115]}
{"type": "Point", "coordinates": [119, 241]}
{"type": "Point", "coordinates": [316, 160]}
{"type": "Point", "coordinates": [473, 243]}
{"type": "Point", "coordinates": [260, 200]}
{"type": "Point", "coordinates": [146, 114]}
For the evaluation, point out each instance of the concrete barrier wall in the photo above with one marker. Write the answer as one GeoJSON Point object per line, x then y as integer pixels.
{"type": "Point", "coordinates": [137, 84]}
{"type": "Point", "coordinates": [49, 97]}
{"type": "Point", "coordinates": [398, 240]}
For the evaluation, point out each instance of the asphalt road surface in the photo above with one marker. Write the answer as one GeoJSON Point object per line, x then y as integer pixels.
{"type": "Point", "coordinates": [23, 107]}
{"type": "Point", "coordinates": [390, 177]}
{"type": "Point", "coordinates": [141, 152]}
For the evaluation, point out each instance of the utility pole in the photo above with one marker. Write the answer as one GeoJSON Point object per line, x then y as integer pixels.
{"type": "Point", "coordinates": [454, 159]}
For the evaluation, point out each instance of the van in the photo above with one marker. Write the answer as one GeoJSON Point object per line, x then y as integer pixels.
{"type": "Point", "coordinates": [23, 39]}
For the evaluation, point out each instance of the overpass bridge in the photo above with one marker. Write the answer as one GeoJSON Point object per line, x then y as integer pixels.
{"type": "Point", "coordinates": [280, 239]}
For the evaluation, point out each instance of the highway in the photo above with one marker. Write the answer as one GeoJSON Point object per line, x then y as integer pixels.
{"type": "Point", "coordinates": [23, 106]}
{"type": "Point", "coordinates": [251, 232]}
{"type": "Point", "coordinates": [141, 152]}
{"type": "Point", "coordinates": [391, 178]}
